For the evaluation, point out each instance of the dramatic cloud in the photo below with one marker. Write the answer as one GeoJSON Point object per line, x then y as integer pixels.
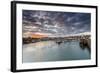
{"type": "Point", "coordinates": [56, 23]}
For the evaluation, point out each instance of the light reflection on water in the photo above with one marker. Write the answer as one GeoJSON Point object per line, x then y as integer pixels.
{"type": "Point", "coordinates": [51, 51]}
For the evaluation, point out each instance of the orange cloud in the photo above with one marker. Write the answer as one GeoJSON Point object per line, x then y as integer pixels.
{"type": "Point", "coordinates": [39, 35]}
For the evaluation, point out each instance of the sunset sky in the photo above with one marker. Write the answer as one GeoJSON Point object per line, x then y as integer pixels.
{"type": "Point", "coordinates": [55, 23]}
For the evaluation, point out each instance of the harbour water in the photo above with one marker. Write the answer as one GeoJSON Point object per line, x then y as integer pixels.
{"type": "Point", "coordinates": [45, 51]}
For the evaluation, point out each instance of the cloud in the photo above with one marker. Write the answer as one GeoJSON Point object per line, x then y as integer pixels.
{"type": "Point", "coordinates": [56, 23]}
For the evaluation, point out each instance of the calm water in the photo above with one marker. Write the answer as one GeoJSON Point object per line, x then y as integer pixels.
{"type": "Point", "coordinates": [51, 51]}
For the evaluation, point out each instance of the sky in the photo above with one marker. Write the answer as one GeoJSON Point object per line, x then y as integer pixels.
{"type": "Point", "coordinates": [55, 23]}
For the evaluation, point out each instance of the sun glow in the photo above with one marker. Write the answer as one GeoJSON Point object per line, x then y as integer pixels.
{"type": "Point", "coordinates": [38, 35]}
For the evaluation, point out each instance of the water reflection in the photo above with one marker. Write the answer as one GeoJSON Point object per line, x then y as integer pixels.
{"type": "Point", "coordinates": [54, 51]}
{"type": "Point", "coordinates": [85, 44]}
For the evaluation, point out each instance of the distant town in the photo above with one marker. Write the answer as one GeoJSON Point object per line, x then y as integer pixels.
{"type": "Point", "coordinates": [85, 39]}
